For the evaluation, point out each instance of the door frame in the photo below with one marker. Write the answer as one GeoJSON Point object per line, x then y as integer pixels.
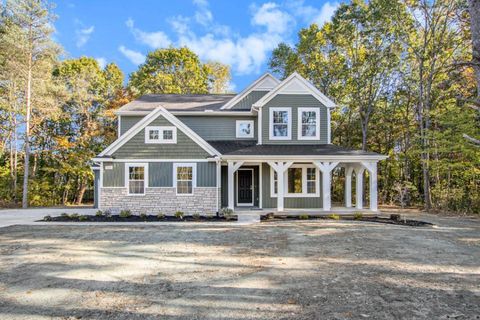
{"type": "Point", "coordinates": [249, 204]}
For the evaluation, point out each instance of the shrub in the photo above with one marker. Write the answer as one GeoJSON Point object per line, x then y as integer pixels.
{"type": "Point", "coordinates": [74, 216]}
{"type": "Point", "coordinates": [65, 215]}
{"type": "Point", "coordinates": [99, 213]}
{"type": "Point", "coordinates": [143, 216]}
{"type": "Point", "coordinates": [196, 216]}
{"type": "Point", "coordinates": [47, 218]}
{"type": "Point", "coordinates": [303, 217]}
{"type": "Point", "coordinates": [358, 216]}
{"type": "Point", "coordinates": [82, 218]}
{"type": "Point", "coordinates": [107, 214]}
{"type": "Point", "coordinates": [179, 214]}
{"type": "Point", "coordinates": [125, 214]}
{"type": "Point", "coordinates": [334, 216]}
{"type": "Point", "coordinates": [160, 216]}
{"type": "Point", "coordinates": [227, 213]}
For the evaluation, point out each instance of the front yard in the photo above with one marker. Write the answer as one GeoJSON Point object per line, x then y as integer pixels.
{"type": "Point", "coordinates": [318, 269]}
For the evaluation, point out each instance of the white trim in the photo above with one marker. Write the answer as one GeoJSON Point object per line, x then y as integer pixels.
{"type": "Point", "coordinates": [300, 124]}
{"type": "Point", "coordinates": [253, 188]}
{"type": "Point", "coordinates": [119, 127]}
{"type": "Point", "coordinates": [249, 89]}
{"type": "Point", "coordinates": [329, 127]}
{"type": "Point", "coordinates": [259, 125]}
{"type": "Point", "coordinates": [194, 177]}
{"type": "Point", "coordinates": [289, 124]}
{"type": "Point", "coordinates": [127, 177]}
{"type": "Point", "coordinates": [308, 86]}
{"type": "Point", "coordinates": [161, 130]}
{"type": "Point", "coordinates": [189, 113]}
{"type": "Point", "coordinates": [237, 129]}
{"type": "Point", "coordinates": [304, 193]}
{"type": "Point", "coordinates": [151, 160]}
{"type": "Point", "coordinates": [150, 118]}
{"type": "Point", "coordinates": [346, 158]}
{"type": "Point", "coordinates": [260, 187]}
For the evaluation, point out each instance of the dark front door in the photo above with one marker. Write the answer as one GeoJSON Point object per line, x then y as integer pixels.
{"type": "Point", "coordinates": [245, 187]}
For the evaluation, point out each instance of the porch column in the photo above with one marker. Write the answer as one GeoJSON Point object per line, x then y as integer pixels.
{"type": "Point", "coordinates": [232, 167]}
{"type": "Point", "coordinates": [372, 172]}
{"type": "Point", "coordinates": [348, 186]}
{"type": "Point", "coordinates": [359, 186]}
{"type": "Point", "coordinates": [280, 168]}
{"type": "Point", "coordinates": [326, 169]}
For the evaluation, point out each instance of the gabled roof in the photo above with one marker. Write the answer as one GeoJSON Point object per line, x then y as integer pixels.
{"type": "Point", "coordinates": [139, 126]}
{"type": "Point", "coordinates": [295, 84]}
{"type": "Point", "coordinates": [265, 83]}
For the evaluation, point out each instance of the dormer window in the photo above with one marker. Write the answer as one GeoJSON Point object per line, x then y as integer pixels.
{"type": "Point", "coordinates": [280, 123]}
{"type": "Point", "coordinates": [308, 124]}
{"type": "Point", "coordinates": [160, 135]}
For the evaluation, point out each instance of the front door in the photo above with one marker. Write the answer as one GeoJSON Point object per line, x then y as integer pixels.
{"type": "Point", "coordinates": [245, 187]}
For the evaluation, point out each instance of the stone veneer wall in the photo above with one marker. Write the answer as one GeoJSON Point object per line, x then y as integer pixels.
{"type": "Point", "coordinates": [156, 200]}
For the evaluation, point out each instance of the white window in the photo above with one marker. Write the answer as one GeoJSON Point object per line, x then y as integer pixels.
{"type": "Point", "coordinates": [136, 177]}
{"type": "Point", "coordinates": [161, 135]}
{"type": "Point", "coordinates": [244, 128]}
{"type": "Point", "coordinates": [308, 124]}
{"type": "Point", "coordinates": [300, 180]}
{"type": "Point", "coordinates": [280, 123]}
{"type": "Point", "coordinates": [184, 177]}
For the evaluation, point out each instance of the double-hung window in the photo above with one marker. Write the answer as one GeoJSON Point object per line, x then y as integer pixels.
{"type": "Point", "coordinates": [136, 175]}
{"type": "Point", "coordinates": [184, 178]}
{"type": "Point", "coordinates": [154, 134]}
{"type": "Point", "coordinates": [280, 123]}
{"type": "Point", "coordinates": [308, 124]}
{"type": "Point", "coordinates": [301, 180]}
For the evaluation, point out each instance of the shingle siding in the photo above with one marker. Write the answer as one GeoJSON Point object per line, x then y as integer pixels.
{"type": "Point", "coordinates": [294, 101]}
{"type": "Point", "coordinates": [136, 148]}
{"type": "Point", "coordinates": [213, 128]}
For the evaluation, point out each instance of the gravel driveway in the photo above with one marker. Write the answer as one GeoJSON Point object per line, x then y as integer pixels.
{"type": "Point", "coordinates": [281, 270]}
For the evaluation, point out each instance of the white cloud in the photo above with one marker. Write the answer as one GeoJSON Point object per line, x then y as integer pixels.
{"type": "Point", "coordinates": [134, 56]}
{"type": "Point", "coordinates": [270, 16]}
{"type": "Point", "coordinates": [83, 35]}
{"type": "Point", "coordinates": [203, 15]}
{"type": "Point", "coordinates": [102, 62]}
{"type": "Point", "coordinates": [154, 40]}
{"type": "Point", "coordinates": [311, 14]}
{"type": "Point", "coordinates": [326, 13]}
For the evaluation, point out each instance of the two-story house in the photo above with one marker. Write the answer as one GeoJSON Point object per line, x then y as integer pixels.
{"type": "Point", "coordinates": [268, 147]}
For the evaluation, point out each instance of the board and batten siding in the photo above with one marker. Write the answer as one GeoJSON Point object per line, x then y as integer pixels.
{"type": "Point", "coordinates": [213, 128]}
{"type": "Point", "coordinates": [247, 101]}
{"type": "Point", "coordinates": [160, 174]}
{"type": "Point", "coordinates": [294, 101]}
{"type": "Point", "coordinates": [126, 122]}
{"type": "Point", "coordinates": [289, 203]}
{"type": "Point", "coordinates": [136, 148]}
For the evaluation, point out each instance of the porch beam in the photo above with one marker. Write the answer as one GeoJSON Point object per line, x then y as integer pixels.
{"type": "Point", "coordinates": [232, 167]}
{"type": "Point", "coordinates": [326, 169]}
{"type": "Point", "coordinates": [280, 167]}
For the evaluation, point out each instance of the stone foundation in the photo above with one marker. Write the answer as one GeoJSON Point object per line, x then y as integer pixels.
{"type": "Point", "coordinates": [159, 200]}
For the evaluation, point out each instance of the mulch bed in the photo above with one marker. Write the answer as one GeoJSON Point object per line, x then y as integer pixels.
{"type": "Point", "coordinates": [395, 221]}
{"type": "Point", "coordinates": [136, 218]}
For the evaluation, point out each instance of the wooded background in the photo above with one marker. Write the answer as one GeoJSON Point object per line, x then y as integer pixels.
{"type": "Point", "coordinates": [404, 74]}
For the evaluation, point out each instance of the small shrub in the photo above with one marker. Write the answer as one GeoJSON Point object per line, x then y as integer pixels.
{"type": "Point", "coordinates": [74, 216]}
{"type": "Point", "coordinates": [160, 216]}
{"type": "Point", "coordinates": [358, 216]}
{"type": "Point", "coordinates": [196, 216]}
{"type": "Point", "coordinates": [82, 218]}
{"type": "Point", "coordinates": [227, 213]}
{"type": "Point", "coordinates": [334, 216]}
{"type": "Point", "coordinates": [303, 217]}
{"type": "Point", "coordinates": [99, 213]}
{"type": "Point", "coordinates": [210, 215]}
{"type": "Point", "coordinates": [270, 216]}
{"type": "Point", "coordinates": [107, 214]}
{"type": "Point", "coordinates": [47, 218]}
{"type": "Point", "coordinates": [65, 215]}
{"type": "Point", "coordinates": [125, 214]}
{"type": "Point", "coordinates": [143, 216]}
{"type": "Point", "coordinates": [179, 214]}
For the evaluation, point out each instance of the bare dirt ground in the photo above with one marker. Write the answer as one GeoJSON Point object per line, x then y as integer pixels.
{"type": "Point", "coordinates": [281, 270]}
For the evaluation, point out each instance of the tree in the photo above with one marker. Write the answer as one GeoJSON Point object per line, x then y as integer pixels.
{"type": "Point", "coordinates": [28, 33]}
{"type": "Point", "coordinates": [218, 77]}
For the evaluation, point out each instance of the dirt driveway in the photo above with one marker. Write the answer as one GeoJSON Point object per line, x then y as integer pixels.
{"type": "Point", "coordinates": [286, 270]}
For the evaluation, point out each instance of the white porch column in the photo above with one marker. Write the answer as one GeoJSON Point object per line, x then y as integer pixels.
{"type": "Point", "coordinates": [280, 168]}
{"type": "Point", "coordinates": [372, 172]}
{"type": "Point", "coordinates": [348, 186]}
{"type": "Point", "coordinates": [359, 186]}
{"type": "Point", "coordinates": [232, 167]}
{"type": "Point", "coordinates": [326, 169]}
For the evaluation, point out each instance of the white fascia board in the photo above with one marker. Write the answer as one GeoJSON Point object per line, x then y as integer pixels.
{"type": "Point", "coordinates": [190, 113]}
{"type": "Point", "coordinates": [249, 89]}
{"type": "Point", "coordinates": [150, 118]}
{"type": "Point", "coordinates": [310, 88]}
{"type": "Point", "coordinates": [303, 158]}
{"type": "Point", "coordinates": [156, 160]}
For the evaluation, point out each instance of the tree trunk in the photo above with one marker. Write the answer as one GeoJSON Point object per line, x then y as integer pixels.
{"type": "Point", "coordinates": [81, 191]}
{"type": "Point", "coordinates": [27, 135]}
{"type": "Point", "coordinates": [474, 9]}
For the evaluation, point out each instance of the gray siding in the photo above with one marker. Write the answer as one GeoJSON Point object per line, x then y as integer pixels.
{"type": "Point", "coordinates": [217, 127]}
{"type": "Point", "coordinates": [294, 203]}
{"type": "Point", "coordinates": [247, 102]}
{"type": "Point", "coordinates": [136, 148]}
{"type": "Point", "coordinates": [224, 187]}
{"type": "Point", "coordinates": [114, 177]}
{"type": "Point", "coordinates": [206, 174]}
{"type": "Point", "coordinates": [126, 122]}
{"type": "Point", "coordinates": [160, 174]}
{"type": "Point", "coordinates": [294, 101]}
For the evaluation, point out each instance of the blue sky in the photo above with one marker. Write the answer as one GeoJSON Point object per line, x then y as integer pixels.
{"type": "Point", "coordinates": [241, 34]}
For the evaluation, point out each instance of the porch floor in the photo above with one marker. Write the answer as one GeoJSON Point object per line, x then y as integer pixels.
{"type": "Point", "coordinates": [313, 211]}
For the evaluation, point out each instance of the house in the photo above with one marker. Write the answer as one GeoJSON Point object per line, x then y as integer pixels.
{"type": "Point", "coordinates": [266, 147]}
